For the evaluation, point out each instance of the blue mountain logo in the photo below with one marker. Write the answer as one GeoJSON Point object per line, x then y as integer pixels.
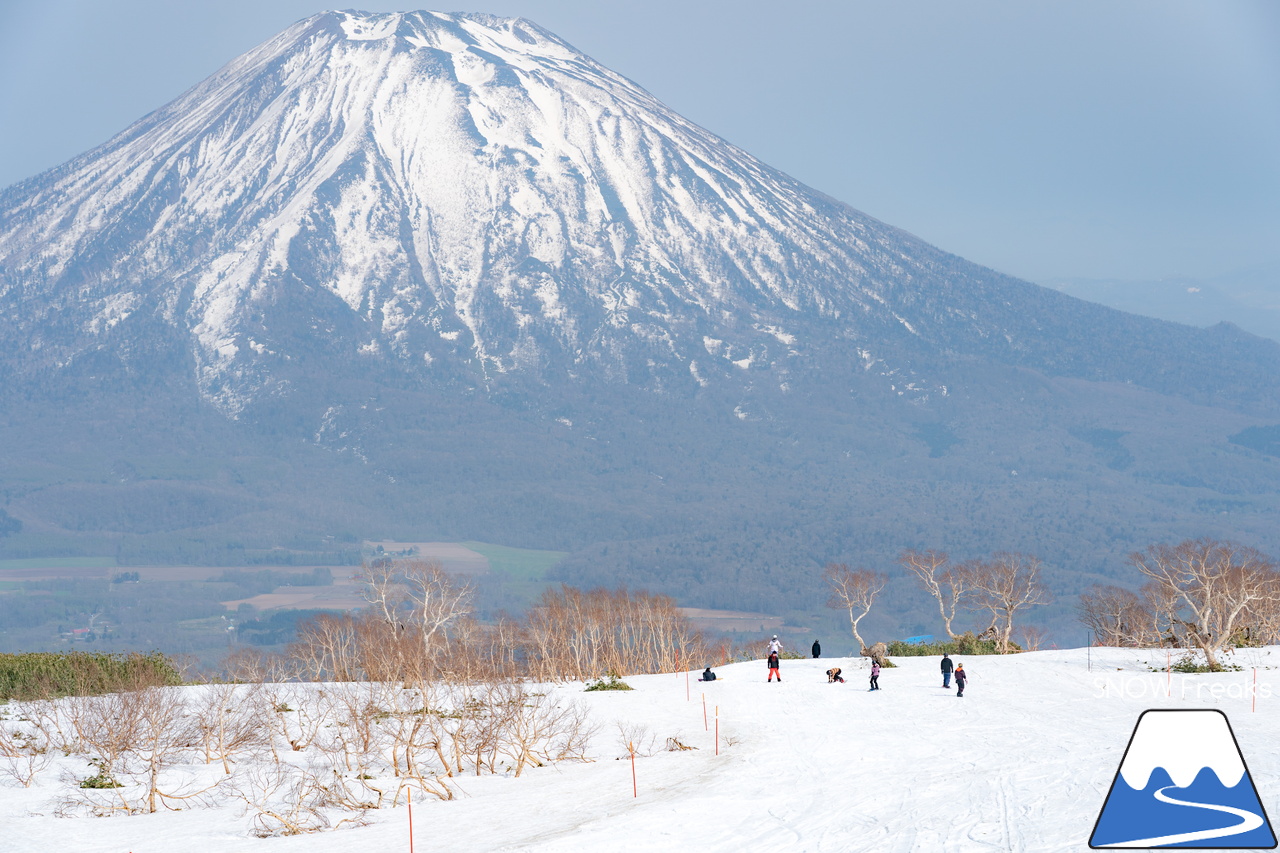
{"type": "Point", "coordinates": [1183, 783]}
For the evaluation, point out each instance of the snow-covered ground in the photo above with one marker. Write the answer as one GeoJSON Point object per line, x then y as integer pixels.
{"type": "Point", "coordinates": [1022, 762]}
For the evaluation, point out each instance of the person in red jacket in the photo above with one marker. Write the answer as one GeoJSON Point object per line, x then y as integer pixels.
{"type": "Point", "coordinates": [773, 667]}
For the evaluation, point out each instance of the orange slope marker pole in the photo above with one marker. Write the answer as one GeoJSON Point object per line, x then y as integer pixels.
{"type": "Point", "coordinates": [409, 791]}
{"type": "Point", "coordinates": [687, 697]}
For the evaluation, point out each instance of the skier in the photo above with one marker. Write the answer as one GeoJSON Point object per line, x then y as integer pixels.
{"type": "Point", "coordinates": [817, 649]}
{"type": "Point", "coordinates": [773, 667]}
{"type": "Point", "coordinates": [961, 678]}
{"type": "Point", "coordinates": [875, 676]}
{"type": "Point", "coordinates": [708, 675]}
{"type": "Point", "coordinates": [775, 645]}
{"type": "Point", "coordinates": [946, 671]}
{"type": "Point", "coordinates": [833, 675]}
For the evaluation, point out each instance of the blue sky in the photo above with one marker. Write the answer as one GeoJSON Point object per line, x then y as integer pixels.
{"type": "Point", "coordinates": [1081, 139]}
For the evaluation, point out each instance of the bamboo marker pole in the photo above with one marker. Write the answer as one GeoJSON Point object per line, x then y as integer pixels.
{"type": "Point", "coordinates": [717, 730]}
{"type": "Point", "coordinates": [686, 686]}
{"type": "Point", "coordinates": [705, 726]}
{"type": "Point", "coordinates": [635, 791]}
{"type": "Point", "coordinates": [409, 791]}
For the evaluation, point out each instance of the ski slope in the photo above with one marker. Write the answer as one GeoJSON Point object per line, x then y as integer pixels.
{"type": "Point", "coordinates": [1022, 762]}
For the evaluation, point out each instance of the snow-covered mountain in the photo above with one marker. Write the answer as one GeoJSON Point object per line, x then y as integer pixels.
{"type": "Point", "coordinates": [522, 301]}
{"type": "Point", "coordinates": [466, 196]}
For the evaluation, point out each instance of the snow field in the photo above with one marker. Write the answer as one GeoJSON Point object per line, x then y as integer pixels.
{"type": "Point", "coordinates": [1022, 762]}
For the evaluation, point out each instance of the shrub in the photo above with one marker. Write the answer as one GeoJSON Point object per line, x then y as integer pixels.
{"type": "Point", "coordinates": [964, 644]}
{"type": "Point", "coordinates": [100, 780]}
{"type": "Point", "coordinates": [1190, 663]}
{"type": "Point", "coordinates": [611, 682]}
{"type": "Point", "coordinates": [49, 675]}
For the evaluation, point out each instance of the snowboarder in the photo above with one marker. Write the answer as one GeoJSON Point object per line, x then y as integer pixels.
{"type": "Point", "coordinates": [773, 667]}
{"type": "Point", "coordinates": [817, 649]}
{"type": "Point", "coordinates": [875, 676]}
{"type": "Point", "coordinates": [775, 645]}
{"type": "Point", "coordinates": [946, 671]}
{"type": "Point", "coordinates": [708, 675]}
{"type": "Point", "coordinates": [833, 675]}
{"type": "Point", "coordinates": [961, 678]}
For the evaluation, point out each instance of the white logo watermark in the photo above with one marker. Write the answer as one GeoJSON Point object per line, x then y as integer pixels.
{"type": "Point", "coordinates": [1160, 686]}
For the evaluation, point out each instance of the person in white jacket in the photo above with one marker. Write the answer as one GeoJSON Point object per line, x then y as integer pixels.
{"type": "Point", "coordinates": [775, 645]}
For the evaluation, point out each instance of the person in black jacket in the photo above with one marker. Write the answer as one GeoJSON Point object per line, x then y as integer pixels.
{"type": "Point", "coordinates": [961, 679]}
{"type": "Point", "coordinates": [773, 667]}
{"type": "Point", "coordinates": [708, 675]}
{"type": "Point", "coordinates": [817, 649]}
{"type": "Point", "coordinates": [946, 671]}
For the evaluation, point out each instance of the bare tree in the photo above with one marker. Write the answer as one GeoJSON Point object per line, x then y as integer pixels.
{"type": "Point", "coordinates": [1210, 590]}
{"type": "Point", "coordinates": [164, 732]}
{"type": "Point", "coordinates": [231, 719]}
{"type": "Point", "coordinates": [416, 592]}
{"type": "Point", "coordinates": [382, 590]}
{"type": "Point", "coordinates": [1118, 617]}
{"type": "Point", "coordinates": [945, 583]}
{"type": "Point", "coordinates": [1002, 586]}
{"type": "Point", "coordinates": [576, 634]}
{"type": "Point", "coordinates": [24, 751]}
{"type": "Point", "coordinates": [853, 591]}
{"type": "Point", "coordinates": [327, 648]}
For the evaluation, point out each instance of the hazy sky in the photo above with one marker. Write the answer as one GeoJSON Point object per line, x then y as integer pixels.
{"type": "Point", "coordinates": [1097, 139]}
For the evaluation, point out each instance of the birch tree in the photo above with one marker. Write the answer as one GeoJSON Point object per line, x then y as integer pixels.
{"type": "Point", "coordinates": [854, 592]}
{"type": "Point", "coordinates": [1003, 585]}
{"type": "Point", "coordinates": [1214, 591]}
{"type": "Point", "coordinates": [946, 583]}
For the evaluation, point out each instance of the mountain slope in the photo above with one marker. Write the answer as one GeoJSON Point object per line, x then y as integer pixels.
{"type": "Point", "coordinates": [469, 196]}
{"type": "Point", "coordinates": [526, 302]}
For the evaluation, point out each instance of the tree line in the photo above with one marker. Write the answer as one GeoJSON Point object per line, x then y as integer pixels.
{"type": "Point", "coordinates": [419, 623]}
{"type": "Point", "coordinates": [1202, 594]}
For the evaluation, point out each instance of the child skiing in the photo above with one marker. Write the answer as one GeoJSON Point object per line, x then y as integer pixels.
{"type": "Point", "coordinates": [773, 667]}
{"type": "Point", "coordinates": [961, 678]}
{"type": "Point", "coordinates": [833, 675]}
{"type": "Point", "coordinates": [875, 676]}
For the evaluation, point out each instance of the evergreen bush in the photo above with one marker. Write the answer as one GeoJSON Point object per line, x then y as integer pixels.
{"type": "Point", "coordinates": [964, 644]}
{"type": "Point", "coordinates": [610, 682]}
{"type": "Point", "coordinates": [49, 675]}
